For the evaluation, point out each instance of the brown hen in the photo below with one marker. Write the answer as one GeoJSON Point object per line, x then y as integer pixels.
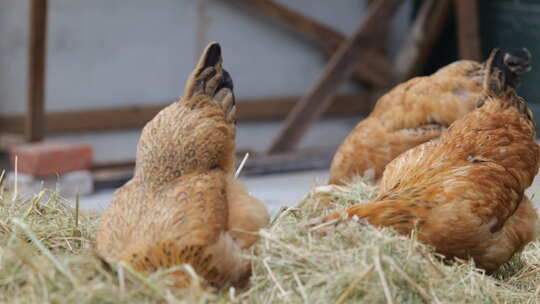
{"type": "Point", "coordinates": [415, 112]}
{"type": "Point", "coordinates": [464, 192]}
{"type": "Point", "coordinates": [183, 204]}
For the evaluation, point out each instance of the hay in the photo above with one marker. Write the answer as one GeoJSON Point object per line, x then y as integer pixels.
{"type": "Point", "coordinates": [46, 256]}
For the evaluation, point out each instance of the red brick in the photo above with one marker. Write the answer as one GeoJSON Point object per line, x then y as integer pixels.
{"type": "Point", "coordinates": [49, 158]}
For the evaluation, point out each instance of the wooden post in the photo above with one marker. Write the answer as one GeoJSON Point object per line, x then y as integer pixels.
{"type": "Point", "coordinates": [468, 29]}
{"type": "Point", "coordinates": [423, 33]}
{"type": "Point", "coordinates": [337, 71]}
{"type": "Point", "coordinates": [35, 118]}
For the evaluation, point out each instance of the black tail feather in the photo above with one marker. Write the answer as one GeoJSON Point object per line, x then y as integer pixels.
{"type": "Point", "coordinates": [511, 64]}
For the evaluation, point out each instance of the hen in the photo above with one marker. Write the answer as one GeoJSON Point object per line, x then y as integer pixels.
{"type": "Point", "coordinates": [183, 204]}
{"type": "Point", "coordinates": [414, 112]}
{"type": "Point", "coordinates": [464, 192]}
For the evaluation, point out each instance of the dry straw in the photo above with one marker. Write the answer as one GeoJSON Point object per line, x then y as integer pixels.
{"type": "Point", "coordinates": [46, 255]}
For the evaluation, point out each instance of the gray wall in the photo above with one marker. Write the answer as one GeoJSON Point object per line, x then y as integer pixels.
{"type": "Point", "coordinates": [105, 53]}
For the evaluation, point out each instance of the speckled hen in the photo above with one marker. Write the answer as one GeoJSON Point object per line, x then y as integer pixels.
{"type": "Point", "coordinates": [183, 204]}
{"type": "Point", "coordinates": [464, 192]}
{"type": "Point", "coordinates": [415, 112]}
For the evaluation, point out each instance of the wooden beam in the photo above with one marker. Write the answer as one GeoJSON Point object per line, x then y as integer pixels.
{"type": "Point", "coordinates": [35, 117]}
{"type": "Point", "coordinates": [114, 175]}
{"type": "Point", "coordinates": [468, 29]}
{"type": "Point", "coordinates": [301, 160]}
{"type": "Point", "coordinates": [337, 71]}
{"type": "Point", "coordinates": [126, 165]}
{"type": "Point", "coordinates": [423, 33]}
{"type": "Point", "coordinates": [136, 117]}
{"type": "Point", "coordinates": [382, 44]}
{"type": "Point", "coordinates": [375, 70]}
{"type": "Point", "coordinates": [278, 109]}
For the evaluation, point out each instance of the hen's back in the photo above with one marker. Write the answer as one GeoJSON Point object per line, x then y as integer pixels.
{"type": "Point", "coordinates": [412, 113]}
{"type": "Point", "coordinates": [417, 111]}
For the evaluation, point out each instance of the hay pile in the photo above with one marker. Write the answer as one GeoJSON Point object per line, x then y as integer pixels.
{"type": "Point", "coordinates": [46, 256]}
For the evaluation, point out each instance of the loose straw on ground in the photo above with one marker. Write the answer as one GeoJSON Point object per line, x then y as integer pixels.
{"type": "Point", "coordinates": [384, 283]}
{"type": "Point", "coordinates": [289, 264]}
{"type": "Point", "coordinates": [409, 280]}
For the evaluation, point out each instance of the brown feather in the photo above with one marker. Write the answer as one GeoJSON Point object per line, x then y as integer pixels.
{"type": "Point", "coordinates": [464, 192]}
{"type": "Point", "coordinates": [412, 113]}
{"type": "Point", "coordinates": [183, 205]}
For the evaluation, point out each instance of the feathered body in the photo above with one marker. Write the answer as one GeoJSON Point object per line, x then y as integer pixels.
{"type": "Point", "coordinates": [183, 204]}
{"type": "Point", "coordinates": [464, 192]}
{"type": "Point", "coordinates": [415, 112]}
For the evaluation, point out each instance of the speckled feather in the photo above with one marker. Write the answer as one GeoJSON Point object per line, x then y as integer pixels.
{"type": "Point", "coordinates": [464, 191]}
{"type": "Point", "coordinates": [183, 204]}
{"type": "Point", "coordinates": [412, 113]}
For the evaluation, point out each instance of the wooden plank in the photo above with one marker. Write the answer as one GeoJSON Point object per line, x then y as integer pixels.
{"type": "Point", "coordinates": [337, 71]}
{"type": "Point", "coordinates": [423, 33]}
{"type": "Point", "coordinates": [137, 116]}
{"type": "Point", "coordinates": [307, 159]}
{"type": "Point", "coordinates": [375, 70]}
{"type": "Point", "coordinates": [278, 109]}
{"type": "Point", "coordinates": [130, 163]}
{"type": "Point", "coordinates": [35, 117]}
{"type": "Point", "coordinates": [113, 175]}
{"type": "Point", "coordinates": [468, 29]}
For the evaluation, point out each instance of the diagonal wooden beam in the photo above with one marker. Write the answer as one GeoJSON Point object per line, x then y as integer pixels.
{"type": "Point", "coordinates": [337, 71]}
{"type": "Point", "coordinates": [35, 116]}
{"type": "Point", "coordinates": [115, 174]}
{"type": "Point", "coordinates": [309, 27]}
{"type": "Point", "coordinates": [468, 29]}
{"type": "Point", "coordinates": [382, 45]}
{"type": "Point", "coordinates": [376, 71]}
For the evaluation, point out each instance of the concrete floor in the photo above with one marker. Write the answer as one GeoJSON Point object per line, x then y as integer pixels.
{"type": "Point", "coordinates": [274, 190]}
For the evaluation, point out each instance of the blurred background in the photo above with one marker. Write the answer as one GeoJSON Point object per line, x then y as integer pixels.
{"type": "Point", "coordinates": [90, 74]}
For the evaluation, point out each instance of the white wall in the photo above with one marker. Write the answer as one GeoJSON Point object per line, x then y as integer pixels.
{"type": "Point", "coordinates": [13, 49]}
{"type": "Point", "coordinates": [105, 53]}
